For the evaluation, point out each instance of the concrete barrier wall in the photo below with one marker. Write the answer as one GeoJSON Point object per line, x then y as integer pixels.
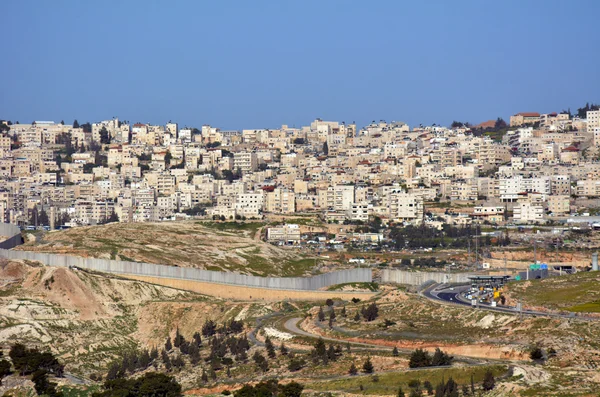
{"type": "Point", "coordinates": [240, 292]}
{"type": "Point", "coordinates": [13, 233]}
{"type": "Point", "coordinates": [418, 278]}
{"type": "Point", "coordinates": [154, 270]}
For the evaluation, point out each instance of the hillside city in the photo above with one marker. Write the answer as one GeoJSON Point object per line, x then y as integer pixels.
{"type": "Point", "coordinates": [327, 260]}
{"type": "Point", "coordinates": [536, 169]}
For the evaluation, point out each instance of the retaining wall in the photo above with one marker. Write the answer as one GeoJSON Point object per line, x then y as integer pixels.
{"type": "Point", "coordinates": [418, 278]}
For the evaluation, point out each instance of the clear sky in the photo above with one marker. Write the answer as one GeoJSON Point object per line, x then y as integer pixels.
{"type": "Point", "coordinates": [260, 64]}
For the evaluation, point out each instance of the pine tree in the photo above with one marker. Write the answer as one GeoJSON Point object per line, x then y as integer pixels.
{"type": "Point", "coordinates": [168, 344]}
{"type": "Point", "coordinates": [197, 339]}
{"type": "Point", "coordinates": [194, 354]}
{"type": "Point", "coordinates": [204, 376]}
{"type": "Point", "coordinates": [395, 352]}
{"type": "Point", "coordinates": [178, 337]}
{"type": "Point", "coordinates": [321, 315]}
{"type": "Point", "coordinates": [400, 392]}
{"type": "Point", "coordinates": [283, 350]}
{"type": "Point", "coordinates": [154, 353]}
{"type": "Point", "coordinates": [343, 312]}
{"type": "Point", "coordinates": [488, 381]}
{"type": "Point", "coordinates": [331, 355]}
{"type": "Point", "coordinates": [368, 366]}
{"type": "Point", "coordinates": [357, 317]}
{"type": "Point", "coordinates": [270, 348]}
{"type": "Point", "coordinates": [353, 370]}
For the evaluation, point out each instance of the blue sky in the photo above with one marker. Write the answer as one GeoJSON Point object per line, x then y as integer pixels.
{"type": "Point", "coordinates": [260, 64]}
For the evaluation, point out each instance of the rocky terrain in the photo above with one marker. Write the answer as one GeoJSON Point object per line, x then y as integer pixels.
{"type": "Point", "coordinates": [89, 320]}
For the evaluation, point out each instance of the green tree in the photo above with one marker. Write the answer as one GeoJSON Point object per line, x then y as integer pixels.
{"type": "Point", "coordinates": [283, 350]}
{"type": "Point", "coordinates": [292, 389]}
{"type": "Point", "coordinates": [488, 381]}
{"type": "Point", "coordinates": [75, 124]}
{"type": "Point", "coordinates": [419, 358]}
{"type": "Point", "coordinates": [321, 315]}
{"type": "Point", "coordinates": [371, 312]}
{"type": "Point", "coordinates": [400, 392]}
{"type": "Point", "coordinates": [4, 368]}
{"type": "Point", "coordinates": [440, 358]}
{"type": "Point", "coordinates": [270, 348]}
{"type": "Point", "coordinates": [395, 352]}
{"type": "Point", "coordinates": [353, 370]}
{"type": "Point", "coordinates": [104, 136]}
{"type": "Point", "coordinates": [368, 366]}
{"type": "Point", "coordinates": [326, 149]}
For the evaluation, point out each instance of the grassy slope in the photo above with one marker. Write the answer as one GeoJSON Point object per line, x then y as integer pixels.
{"type": "Point", "coordinates": [575, 292]}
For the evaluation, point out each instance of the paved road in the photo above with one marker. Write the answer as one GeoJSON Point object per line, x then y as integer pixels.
{"type": "Point", "coordinates": [444, 293]}
{"type": "Point", "coordinates": [75, 380]}
{"type": "Point", "coordinates": [292, 326]}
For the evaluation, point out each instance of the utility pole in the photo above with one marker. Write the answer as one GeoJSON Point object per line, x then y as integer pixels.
{"type": "Point", "coordinates": [477, 252]}
{"type": "Point", "coordinates": [469, 253]}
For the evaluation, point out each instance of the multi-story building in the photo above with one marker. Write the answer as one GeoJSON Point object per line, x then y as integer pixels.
{"type": "Point", "coordinates": [288, 234]}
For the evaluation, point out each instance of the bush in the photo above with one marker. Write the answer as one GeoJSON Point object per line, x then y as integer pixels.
{"type": "Point", "coordinates": [536, 354]}
{"type": "Point", "coordinates": [371, 312]}
{"type": "Point", "coordinates": [296, 364]}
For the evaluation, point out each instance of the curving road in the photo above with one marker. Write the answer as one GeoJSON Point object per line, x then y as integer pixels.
{"type": "Point", "coordinates": [292, 326]}
{"type": "Point", "coordinates": [452, 295]}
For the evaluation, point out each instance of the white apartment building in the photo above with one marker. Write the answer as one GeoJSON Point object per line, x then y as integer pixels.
{"type": "Point", "coordinates": [245, 161]}
{"type": "Point", "coordinates": [405, 207]}
{"type": "Point", "coordinates": [338, 198]}
{"type": "Point", "coordinates": [249, 204]}
{"type": "Point", "coordinates": [360, 212]}
{"type": "Point", "coordinates": [528, 212]}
